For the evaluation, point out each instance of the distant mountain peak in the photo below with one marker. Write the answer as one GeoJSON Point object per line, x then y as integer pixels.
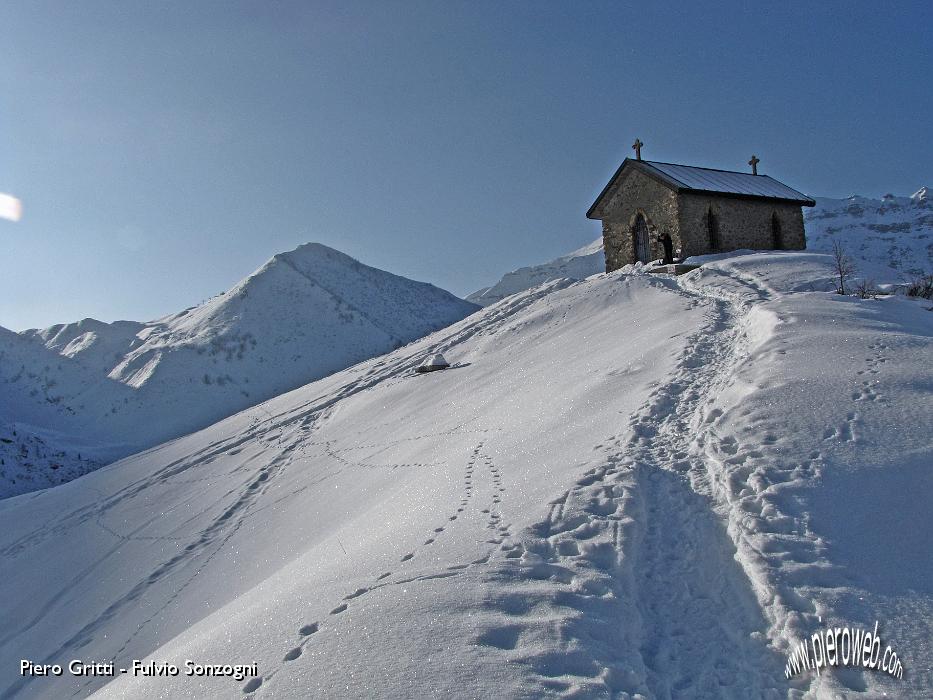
{"type": "Point", "coordinates": [577, 265]}
{"type": "Point", "coordinates": [302, 315]}
{"type": "Point", "coordinates": [315, 251]}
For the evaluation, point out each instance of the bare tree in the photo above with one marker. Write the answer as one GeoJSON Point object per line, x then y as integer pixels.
{"type": "Point", "coordinates": [845, 266]}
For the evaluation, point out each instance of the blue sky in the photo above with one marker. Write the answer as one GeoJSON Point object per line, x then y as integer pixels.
{"type": "Point", "coordinates": [163, 151]}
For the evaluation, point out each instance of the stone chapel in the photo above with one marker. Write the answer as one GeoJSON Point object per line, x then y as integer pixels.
{"type": "Point", "coordinates": [663, 211]}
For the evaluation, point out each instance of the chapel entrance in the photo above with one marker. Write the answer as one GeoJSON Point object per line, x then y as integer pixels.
{"type": "Point", "coordinates": [668, 246]}
{"type": "Point", "coordinates": [640, 232]}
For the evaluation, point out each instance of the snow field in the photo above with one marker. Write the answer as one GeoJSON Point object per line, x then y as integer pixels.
{"type": "Point", "coordinates": [632, 485]}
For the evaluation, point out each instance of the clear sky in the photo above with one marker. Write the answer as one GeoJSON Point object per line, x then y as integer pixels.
{"type": "Point", "coordinates": [164, 150]}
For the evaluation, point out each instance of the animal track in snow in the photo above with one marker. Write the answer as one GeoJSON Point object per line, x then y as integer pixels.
{"type": "Point", "coordinates": [844, 432]}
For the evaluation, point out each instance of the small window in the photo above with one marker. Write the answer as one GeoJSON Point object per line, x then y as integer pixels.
{"type": "Point", "coordinates": [777, 240]}
{"type": "Point", "coordinates": [712, 229]}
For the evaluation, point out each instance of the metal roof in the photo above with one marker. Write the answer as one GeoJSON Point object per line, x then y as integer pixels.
{"type": "Point", "coordinates": [708, 180]}
{"type": "Point", "coordinates": [688, 178]}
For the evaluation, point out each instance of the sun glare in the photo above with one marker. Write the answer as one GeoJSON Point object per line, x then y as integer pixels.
{"type": "Point", "coordinates": [10, 207]}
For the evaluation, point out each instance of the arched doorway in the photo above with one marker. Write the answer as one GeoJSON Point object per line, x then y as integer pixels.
{"type": "Point", "coordinates": [777, 240]}
{"type": "Point", "coordinates": [640, 234]}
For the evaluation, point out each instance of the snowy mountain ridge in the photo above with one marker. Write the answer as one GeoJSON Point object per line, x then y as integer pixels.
{"type": "Point", "coordinates": [580, 264]}
{"type": "Point", "coordinates": [893, 231]}
{"type": "Point", "coordinates": [302, 315]}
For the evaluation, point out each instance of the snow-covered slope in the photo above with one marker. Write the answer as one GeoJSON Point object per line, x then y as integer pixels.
{"type": "Point", "coordinates": [628, 485]}
{"type": "Point", "coordinates": [890, 238]}
{"type": "Point", "coordinates": [578, 265]}
{"type": "Point", "coordinates": [301, 316]}
{"type": "Point", "coordinates": [893, 231]}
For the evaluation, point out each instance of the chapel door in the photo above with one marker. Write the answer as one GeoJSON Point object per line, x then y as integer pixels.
{"type": "Point", "coordinates": [641, 239]}
{"type": "Point", "coordinates": [668, 248]}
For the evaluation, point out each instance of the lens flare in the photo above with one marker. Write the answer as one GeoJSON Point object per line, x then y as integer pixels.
{"type": "Point", "coordinates": [10, 207]}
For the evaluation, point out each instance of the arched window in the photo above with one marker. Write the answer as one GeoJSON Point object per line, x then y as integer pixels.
{"type": "Point", "coordinates": [712, 229]}
{"type": "Point", "coordinates": [777, 240]}
{"type": "Point", "coordinates": [640, 239]}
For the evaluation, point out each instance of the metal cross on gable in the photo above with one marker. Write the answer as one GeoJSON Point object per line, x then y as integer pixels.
{"type": "Point", "coordinates": [637, 146]}
{"type": "Point", "coordinates": [754, 163]}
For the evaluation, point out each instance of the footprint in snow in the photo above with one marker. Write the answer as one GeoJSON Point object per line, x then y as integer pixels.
{"type": "Point", "coordinates": [408, 556]}
{"type": "Point", "coordinates": [308, 629]}
{"type": "Point", "coordinates": [252, 685]}
{"type": "Point", "coordinates": [293, 654]}
{"type": "Point", "coordinates": [339, 609]}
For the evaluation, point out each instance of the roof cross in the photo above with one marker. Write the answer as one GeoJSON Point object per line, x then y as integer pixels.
{"type": "Point", "coordinates": [754, 163]}
{"type": "Point", "coordinates": [637, 146]}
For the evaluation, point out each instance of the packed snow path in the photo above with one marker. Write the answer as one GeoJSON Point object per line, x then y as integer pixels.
{"type": "Point", "coordinates": [615, 490]}
{"type": "Point", "coordinates": [637, 539]}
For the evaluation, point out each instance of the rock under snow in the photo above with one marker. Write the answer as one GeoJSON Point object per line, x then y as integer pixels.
{"type": "Point", "coordinates": [435, 362]}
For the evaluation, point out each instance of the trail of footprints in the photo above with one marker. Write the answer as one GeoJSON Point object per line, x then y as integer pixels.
{"type": "Point", "coordinates": [499, 536]}
{"type": "Point", "coordinates": [847, 431]}
{"type": "Point", "coordinates": [874, 362]}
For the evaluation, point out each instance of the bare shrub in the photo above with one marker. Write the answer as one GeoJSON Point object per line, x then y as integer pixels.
{"type": "Point", "coordinates": [921, 286]}
{"type": "Point", "coordinates": [845, 266]}
{"type": "Point", "coordinates": [866, 289]}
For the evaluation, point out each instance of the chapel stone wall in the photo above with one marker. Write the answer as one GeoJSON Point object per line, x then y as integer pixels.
{"type": "Point", "coordinates": [740, 223]}
{"type": "Point", "coordinates": [637, 193]}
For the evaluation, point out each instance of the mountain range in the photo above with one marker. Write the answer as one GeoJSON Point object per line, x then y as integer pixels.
{"type": "Point", "coordinates": [81, 394]}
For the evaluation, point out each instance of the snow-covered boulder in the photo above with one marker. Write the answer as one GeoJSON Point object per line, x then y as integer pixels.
{"type": "Point", "coordinates": [433, 363]}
